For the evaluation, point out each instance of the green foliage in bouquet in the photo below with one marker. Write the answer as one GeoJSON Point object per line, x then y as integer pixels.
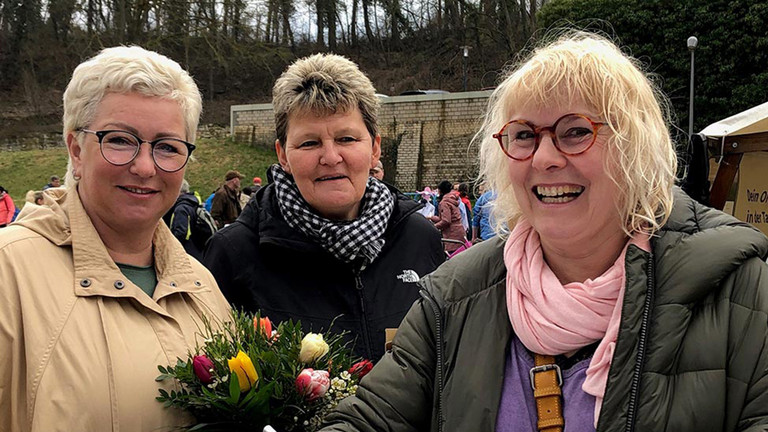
{"type": "Point", "coordinates": [247, 375]}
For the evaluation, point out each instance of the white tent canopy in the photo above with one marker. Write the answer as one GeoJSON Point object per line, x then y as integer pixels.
{"type": "Point", "coordinates": [753, 120]}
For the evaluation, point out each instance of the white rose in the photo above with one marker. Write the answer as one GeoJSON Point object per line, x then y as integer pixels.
{"type": "Point", "coordinates": [313, 347]}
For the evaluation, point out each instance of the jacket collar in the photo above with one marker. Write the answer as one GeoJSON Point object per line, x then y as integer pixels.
{"type": "Point", "coordinates": [229, 191]}
{"type": "Point", "coordinates": [262, 215]}
{"type": "Point", "coordinates": [187, 198]}
{"type": "Point", "coordinates": [65, 222]}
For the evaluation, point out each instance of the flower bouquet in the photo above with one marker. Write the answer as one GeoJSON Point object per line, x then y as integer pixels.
{"type": "Point", "coordinates": [248, 375]}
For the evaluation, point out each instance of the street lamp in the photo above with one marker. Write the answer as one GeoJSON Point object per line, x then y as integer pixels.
{"type": "Point", "coordinates": [692, 42]}
{"type": "Point", "coordinates": [464, 64]}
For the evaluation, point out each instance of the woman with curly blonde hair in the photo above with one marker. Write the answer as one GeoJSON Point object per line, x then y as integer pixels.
{"type": "Point", "coordinates": [615, 302]}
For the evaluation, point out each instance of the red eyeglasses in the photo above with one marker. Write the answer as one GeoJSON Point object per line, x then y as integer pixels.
{"type": "Point", "coordinates": [572, 134]}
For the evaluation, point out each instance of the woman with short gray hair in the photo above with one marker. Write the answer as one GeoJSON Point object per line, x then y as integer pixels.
{"type": "Point", "coordinates": [323, 242]}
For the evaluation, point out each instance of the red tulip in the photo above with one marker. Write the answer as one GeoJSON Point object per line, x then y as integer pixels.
{"type": "Point", "coordinates": [361, 368]}
{"type": "Point", "coordinates": [203, 367]}
{"type": "Point", "coordinates": [313, 383]}
{"type": "Point", "coordinates": [264, 325]}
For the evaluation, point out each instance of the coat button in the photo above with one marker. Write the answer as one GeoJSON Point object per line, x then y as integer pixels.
{"type": "Point", "coordinates": [173, 284]}
{"type": "Point", "coordinates": [119, 284]}
{"type": "Point", "coordinates": [85, 283]}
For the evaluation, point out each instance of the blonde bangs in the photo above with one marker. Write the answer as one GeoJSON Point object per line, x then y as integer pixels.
{"type": "Point", "coordinates": [583, 68]}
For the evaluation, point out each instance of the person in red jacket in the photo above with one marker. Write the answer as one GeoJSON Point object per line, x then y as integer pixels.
{"type": "Point", "coordinates": [464, 196]}
{"type": "Point", "coordinates": [7, 208]}
{"type": "Point", "coordinates": [448, 219]}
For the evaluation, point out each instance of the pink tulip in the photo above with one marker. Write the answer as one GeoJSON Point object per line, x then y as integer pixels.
{"type": "Point", "coordinates": [361, 368]}
{"type": "Point", "coordinates": [313, 383]}
{"type": "Point", "coordinates": [203, 367]}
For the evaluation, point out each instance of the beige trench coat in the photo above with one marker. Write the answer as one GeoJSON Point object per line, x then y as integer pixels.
{"type": "Point", "coordinates": [80, 343]}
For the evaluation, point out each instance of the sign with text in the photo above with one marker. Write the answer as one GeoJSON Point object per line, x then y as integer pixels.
{"type": "Point", "coordinates": [752, 197]}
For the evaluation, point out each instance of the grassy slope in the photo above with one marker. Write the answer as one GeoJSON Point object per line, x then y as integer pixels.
{"type": "Point", "coordinates": [21, 171]}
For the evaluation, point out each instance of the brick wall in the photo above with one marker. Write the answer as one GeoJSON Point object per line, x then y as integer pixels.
{"type": "Point", "coordinates": [425, 138]}
{"type": "Point", "coordinates": [254, 124]}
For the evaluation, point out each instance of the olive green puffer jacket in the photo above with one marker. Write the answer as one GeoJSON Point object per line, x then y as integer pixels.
{"type": "Point", "coordinates": [691, 355]}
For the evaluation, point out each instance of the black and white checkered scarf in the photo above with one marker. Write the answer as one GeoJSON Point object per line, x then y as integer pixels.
{"type": "Point", "coordinates": [359, 239]}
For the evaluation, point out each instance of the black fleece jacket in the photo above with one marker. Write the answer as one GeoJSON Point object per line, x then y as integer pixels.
{"type": "Point", "coordinates": [260, 263]}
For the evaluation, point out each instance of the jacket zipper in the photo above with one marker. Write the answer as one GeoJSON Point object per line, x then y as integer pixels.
{"type": "Point", "coordinates": [640, 359]}
{"type": "Point", "coordinates": [438, 352]}
{"type": "Point", "coordinates": [363, 318]}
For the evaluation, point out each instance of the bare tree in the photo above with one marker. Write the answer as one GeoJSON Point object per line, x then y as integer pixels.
{"type": "Point", "coordinates": [286, 10]}
{"type": "Point", "coordinates": [320, 16]}
{"type": "Point", "coordinates": [60, 17]}
{"type": "Point", "coordinates": [367, 21]}
{"type": "Point", "coordinates": [353, 24]}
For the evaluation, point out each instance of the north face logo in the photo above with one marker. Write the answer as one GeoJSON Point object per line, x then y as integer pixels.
{"type": "Point", "coordinates": [409, 276]}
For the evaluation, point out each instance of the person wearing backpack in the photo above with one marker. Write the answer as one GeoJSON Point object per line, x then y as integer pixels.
{"type": "Point", "coordinates": [183, 220]}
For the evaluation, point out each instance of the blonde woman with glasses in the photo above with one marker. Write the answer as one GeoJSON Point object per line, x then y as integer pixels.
{"type": "Point", "coordinates": [96, 291]}
{"type": "Point", "coordinates": [615, 303]}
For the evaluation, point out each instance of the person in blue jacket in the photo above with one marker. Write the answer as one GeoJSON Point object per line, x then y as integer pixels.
{"type": "Point", "coordinates": [482, 222]}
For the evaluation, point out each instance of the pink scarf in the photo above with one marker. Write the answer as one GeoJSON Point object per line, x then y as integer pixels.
{"type": "Point", "coordinates": [551, 318]}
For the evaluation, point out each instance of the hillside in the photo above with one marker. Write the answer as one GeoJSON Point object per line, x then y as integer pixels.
{"type": "Point", "coordinates": [21, 171]}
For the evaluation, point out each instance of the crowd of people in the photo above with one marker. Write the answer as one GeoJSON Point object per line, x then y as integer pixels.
{"type": "Point", "coordinates": [590, 293]}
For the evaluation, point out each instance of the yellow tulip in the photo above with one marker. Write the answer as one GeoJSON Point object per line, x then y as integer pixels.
{"type": "Point", "coordinates": [242, 366]}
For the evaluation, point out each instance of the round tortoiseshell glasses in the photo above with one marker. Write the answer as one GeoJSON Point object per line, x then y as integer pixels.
{"type": "Point", "coordinates": [572, 134]}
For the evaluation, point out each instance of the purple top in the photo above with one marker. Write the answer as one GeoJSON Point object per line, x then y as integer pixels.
{"type": "Point", "coordinates": [517, 409]}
